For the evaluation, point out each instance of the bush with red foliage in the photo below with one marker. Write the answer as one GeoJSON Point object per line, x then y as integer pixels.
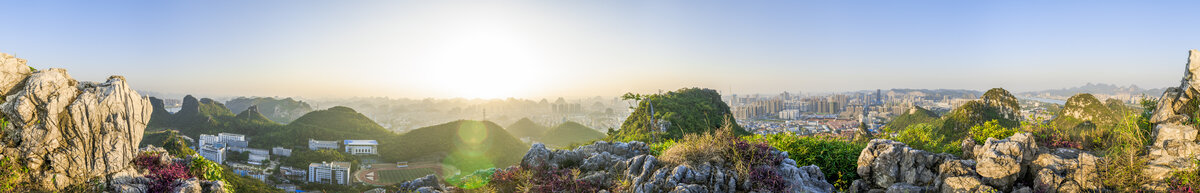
{"type": "Point", "coordinates": [1057, 141]}
{"type": "Point", "coordinates": [161, 175]}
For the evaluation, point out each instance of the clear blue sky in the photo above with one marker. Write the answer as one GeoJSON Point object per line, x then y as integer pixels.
{"type": "Point", "coordinates": [538, 49]}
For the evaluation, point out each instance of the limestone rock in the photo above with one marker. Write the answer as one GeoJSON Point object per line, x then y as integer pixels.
{"type": "Point", "coordinates": [1174, 147]}
{"type": "Point", "coordinates": [1000, 162]}
{"type": "Point", "coordinates": [68, 131]}
{"type": "Point", "coordinates": [1067, 170]}
{"type": "Point", "coordinates": [191, 185]}
{"type": "Point", "coordinates": [885, 162]}
{"type": "Point", "coordinates": [13, 72]}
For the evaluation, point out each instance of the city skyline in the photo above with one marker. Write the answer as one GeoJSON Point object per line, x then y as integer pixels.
{"type": "Point", "coordinates": [543, 49]}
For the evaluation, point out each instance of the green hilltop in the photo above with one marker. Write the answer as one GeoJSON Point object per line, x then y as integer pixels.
{"type": "Point", "coordinates": [687, 110]}
{"type": "Point", "coordinates": [466, 145]}
{"type": "Point", "coordinates": [914, 116]}
{"type": "Point", "coordinates": [526, 128]}
{"type": "Point", "coordinates": [569, 133]}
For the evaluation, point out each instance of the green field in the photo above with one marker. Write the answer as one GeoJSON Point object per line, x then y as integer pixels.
{"type": "Point", "coordinates": [397, 176]}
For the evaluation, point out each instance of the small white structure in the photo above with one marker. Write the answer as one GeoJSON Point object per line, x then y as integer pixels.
{"type": "Point", "coordinates": [213, 152]}
{"type": "Point", "coordinates": [317, 145]}
{"type": "Point", "coordinates": [361, 147]}
{"type": "Point", "coordinates": [329, 172]}
{"type": "Point", "coordinates": [280, 151]}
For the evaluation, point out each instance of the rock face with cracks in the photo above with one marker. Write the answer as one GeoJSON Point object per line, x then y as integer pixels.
{"type": "Point", "coordinates": [65, 131]}
{"type": "Point", "coordinates": [1175, 146]}
{"type": "Point", "coordinates": [998, 166]}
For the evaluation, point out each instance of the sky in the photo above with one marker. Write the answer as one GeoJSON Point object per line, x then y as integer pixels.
{"type": "Point", "coordinates": [542, 49]}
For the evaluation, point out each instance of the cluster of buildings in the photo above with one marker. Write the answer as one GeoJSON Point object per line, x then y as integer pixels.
{"type": "Point", "coordinates": [218, 147]}
{"type": "Point", "coordinates": [335, 172]}
{"type": "Point", "coordinates": [836, 114]}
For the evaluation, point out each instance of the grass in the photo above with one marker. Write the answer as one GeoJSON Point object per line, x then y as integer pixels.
{"type": "Point", "coordinates": [401, 175]}
{"type": "Point", "coordinates": [837, 158]}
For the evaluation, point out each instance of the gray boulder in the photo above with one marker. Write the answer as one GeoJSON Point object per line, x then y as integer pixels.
{"type": "Point", "coordinates": [1001, 162]}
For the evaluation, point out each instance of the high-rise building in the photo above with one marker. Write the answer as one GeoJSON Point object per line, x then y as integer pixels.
{"type": "Point", "coordinates": [329, 172]}
{"type": "Point", "coordinates": [213, 152]}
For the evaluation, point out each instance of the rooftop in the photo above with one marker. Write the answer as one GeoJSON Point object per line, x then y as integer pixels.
{"type": "Point", "coordinates": [360, 142]}
{"type": "Point", "coordinates": [333, 164]}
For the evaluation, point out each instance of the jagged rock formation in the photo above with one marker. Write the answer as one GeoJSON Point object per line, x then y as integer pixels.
{"type": "Point", "coordinates": [67, 132]}
{"type": "Point", "coordinates": [997, 165]}
{"type": "Point", "coordinates": [603, 161]}
{"type": "Point", "coordinates": [1175, 145]}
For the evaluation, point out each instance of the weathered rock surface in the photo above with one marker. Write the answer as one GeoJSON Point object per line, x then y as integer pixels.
{"type": "Point", "coordinates": [645, 173]}
{"type": "Point", "coordinates": [998, 166]}
{"type": "Point", "coordinates": [66, 131]}
{"type": "Point", "coordinates": [1001, 162]}
{"type": "Point", "coordinates": [1175, 147]}
{"type": "Point", "coordinates": [1066, 170]}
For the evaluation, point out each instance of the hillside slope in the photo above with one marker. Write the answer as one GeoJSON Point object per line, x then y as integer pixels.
{"type": "Point", "coordinates": [570, 133]}
{"type": "Point", "coordinates": [526, 128]}
{"type": "Point", "coordinates": [464, 145]}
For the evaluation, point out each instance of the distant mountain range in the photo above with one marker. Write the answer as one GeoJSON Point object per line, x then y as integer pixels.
{"type": "Point", "coordinates": [1095, 89]}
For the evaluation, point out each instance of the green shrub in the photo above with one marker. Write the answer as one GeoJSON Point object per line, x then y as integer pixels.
{"type": "Point", "coordinates": [477, 179]}
{"type": "Point", "coordinates": [990, 129]}
{"type": "Point", "coordinates": [205, 170]}
{"type": "Point", "coordinates": [929, 138]}
{"type": "Point", "coordinates": [837, 158]}
{"type": "Point", "coordinates": [656, 149]}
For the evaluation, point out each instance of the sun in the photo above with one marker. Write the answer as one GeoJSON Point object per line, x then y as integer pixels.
{"type": "Point", "coordinates": [484, 61]}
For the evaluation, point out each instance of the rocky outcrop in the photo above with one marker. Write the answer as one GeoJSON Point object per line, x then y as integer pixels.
{"type": "Point", "coordinates": [604, 162]}
{"type": "Point", "coordinates": [137, 179]}
{"type": "Point", "coordinates": [1175, 145]}
{"type": "Point", "coordinates": [65, 131]}
{"type": "Point", "coordinates": [998, 165]}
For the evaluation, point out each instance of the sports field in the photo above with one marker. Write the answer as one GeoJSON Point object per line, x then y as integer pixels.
{"type": "Point", "coordinates": [387, 174]}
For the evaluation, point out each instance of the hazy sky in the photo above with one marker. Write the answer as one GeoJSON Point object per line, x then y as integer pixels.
{"type": "Point", "coordinates": [538, 49]}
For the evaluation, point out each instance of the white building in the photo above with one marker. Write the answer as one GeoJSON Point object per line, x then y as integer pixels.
{"type": "Point", "coordinates": [316, 145]}
{"type": "Point", "coordinates": [206, 139]}
{"type": "Point", "coordinates": [231, 137]}
{"type": "Point", "coordinates": [257, 159]}
{"type": "Point", "coordinates": [360, 147]}
{"type": "Point", "coordinates": [280, 151]}
{"type": "Point", "coordinates": [329, 172]}
{"type": "Point", "coordinates": [213, 152]}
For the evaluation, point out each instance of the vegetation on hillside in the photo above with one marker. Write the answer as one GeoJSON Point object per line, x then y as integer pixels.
{"type": "Point", "coordinates": [684, 111]}
{"type": "Point", "coordinates": [1086, 120]}
{"type": "Point", "coordinates": [302, 157]}
{"type": "Point", "coordinates": [569, 133]}
{"type": "Point", "coordinates": [463, 146]}
{"type": "Point", "coordinates": [929, 138]}
{"type": "Point", "coordinates": [526, 128]}
{"type": "Point", "coordinates": [836, 157]}
{"type": "Point", "coordinates": [176, 145]}
{"type": "Point", "coordinates": [279, 110]}
{"type": "Point", "coordinates": [915, 116]}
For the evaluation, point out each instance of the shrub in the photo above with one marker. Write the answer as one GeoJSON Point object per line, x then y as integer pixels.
{"type": "Point", "coordinates": [477, 179]}
{"type": "Point", "coordinates": [163, 176]}
{"type": "Point", "coordinates": [696, 149]}
{"type": "Point", "coordinates": [1186, 181]}
{"type": "Point", "coordinates": [656, 149]}
{"type": "Point", "coordinates": [836, 157]}
{"type": "Point", "coordinates": [929, 138]}
{"type": "Point", "coordinates": [205, 170]}
{"type": "Point", "coordinates": [990, 129]}
{"type": "Point", "coordinates": [516, 179]}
